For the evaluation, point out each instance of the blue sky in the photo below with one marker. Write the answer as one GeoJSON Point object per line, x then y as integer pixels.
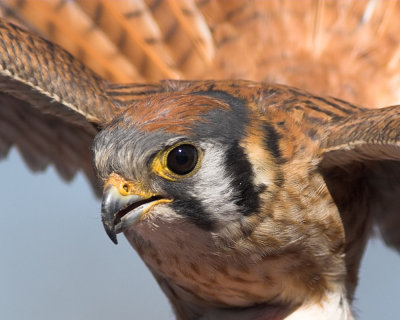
{"type": "Point", "coordinates": [56, 261]}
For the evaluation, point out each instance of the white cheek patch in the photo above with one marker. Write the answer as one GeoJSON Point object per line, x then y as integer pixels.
{"type": "Point", "coordinates": [213, 185]}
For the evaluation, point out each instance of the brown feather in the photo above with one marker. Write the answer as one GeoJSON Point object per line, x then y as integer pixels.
{"type": "Point", "coordinates": [333, 167]}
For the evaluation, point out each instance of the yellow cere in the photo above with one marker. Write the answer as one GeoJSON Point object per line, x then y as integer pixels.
{"type": "Point", "coordinates": [127, 188]}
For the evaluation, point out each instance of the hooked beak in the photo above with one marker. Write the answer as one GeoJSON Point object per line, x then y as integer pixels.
{"type": "Point", "coordinates": [123, 205]}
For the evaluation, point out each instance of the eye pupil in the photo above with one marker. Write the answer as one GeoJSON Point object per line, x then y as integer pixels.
{"type": "Point", "coordinates": [182, 159]}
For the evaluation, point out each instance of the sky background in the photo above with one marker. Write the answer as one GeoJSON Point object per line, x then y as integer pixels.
{"type": "Point", "coordinates": [56, 261]}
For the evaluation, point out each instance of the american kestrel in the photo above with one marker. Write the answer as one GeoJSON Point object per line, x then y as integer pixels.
{"type": "Point", "coordinates": [250, 197]}
{"type": "Point", "coordinates": [246, 200]}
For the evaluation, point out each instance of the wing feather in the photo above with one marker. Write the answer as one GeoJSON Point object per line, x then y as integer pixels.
{"type": "Point", "coordinates": [372, 134]}
{"type": "Point", "coordinates": [362, 152]}
{"type": "Point", "coordinates": [44, 139]}
{"type": "Point", "coordinates": [325, 47]}
{"type": "Point", "coordinates": [51, 106]}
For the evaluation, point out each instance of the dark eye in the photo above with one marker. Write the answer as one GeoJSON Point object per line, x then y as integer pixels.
{"type": "Point", "coordinates": [182, 159]}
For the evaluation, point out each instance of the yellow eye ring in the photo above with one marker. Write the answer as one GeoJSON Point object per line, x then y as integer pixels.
{"type": "Point", "coordinates": [178, 161]}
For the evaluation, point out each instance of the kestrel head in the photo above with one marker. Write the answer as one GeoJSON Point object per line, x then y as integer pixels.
{"type": "Point", "coordinates": [177, 156]}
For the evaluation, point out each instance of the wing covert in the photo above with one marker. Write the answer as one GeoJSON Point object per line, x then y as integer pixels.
{"type": "Point", "coordinates": [51, 106]}
{"type": "Point", "coordinates": [361, 163]}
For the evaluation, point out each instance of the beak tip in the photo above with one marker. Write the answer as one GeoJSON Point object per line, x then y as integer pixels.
{"type": "Point", "coordinates": [110, 232]}
{"type": "Point", "coordinates": [113, 237]}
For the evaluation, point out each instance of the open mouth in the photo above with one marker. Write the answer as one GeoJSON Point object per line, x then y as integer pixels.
{"type": "Point", "coordinates": [125, 211]}
{"type": "Point", "coordinates": [132, 213]}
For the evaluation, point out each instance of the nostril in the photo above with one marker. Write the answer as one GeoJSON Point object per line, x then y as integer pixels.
{"type": "Point", "coordinates": [125, 186]}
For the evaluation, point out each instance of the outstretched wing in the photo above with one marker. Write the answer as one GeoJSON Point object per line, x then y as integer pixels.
{"type": "Point", "coordinates": [361, 162]}
{"type": "Point", "coordinates": [51, 106]}
{"type": "Point", "coordinates": [328, 47]}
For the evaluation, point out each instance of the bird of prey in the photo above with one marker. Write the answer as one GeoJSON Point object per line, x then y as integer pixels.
{"type": "Point", "coordinates": [246, 199]}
